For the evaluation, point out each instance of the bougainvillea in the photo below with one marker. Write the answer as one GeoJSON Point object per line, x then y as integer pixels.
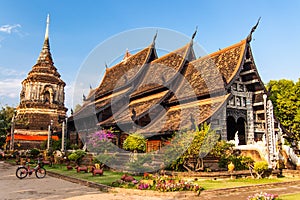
{"type": "Point", "coordinates": [100, 141]}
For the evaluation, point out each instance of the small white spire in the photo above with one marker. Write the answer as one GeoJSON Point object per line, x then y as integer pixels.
{"type": "Point", "coordinates": [47, 27]}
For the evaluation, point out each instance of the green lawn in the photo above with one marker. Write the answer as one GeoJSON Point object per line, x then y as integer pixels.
{"type": "Point", "coordinates": [230, 183]}
{"type": "Point", "coordinates": [107, 178]}
{"type": "Point", "coordinates": [290, 196]}
{"type": "Point", "coordinates": [110, 177]}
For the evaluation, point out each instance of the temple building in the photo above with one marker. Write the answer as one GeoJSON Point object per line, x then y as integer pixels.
{"type": "Point", "coordinates": [41, 107]}
{"type": "Point", "coordinates": [157, 96]}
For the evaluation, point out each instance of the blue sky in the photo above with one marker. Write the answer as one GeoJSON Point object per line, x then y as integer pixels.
{"type": "Point", "coordinates": [77, 27]}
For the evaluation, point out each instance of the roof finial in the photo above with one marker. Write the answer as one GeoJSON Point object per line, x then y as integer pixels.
{"type": "Point", "coordinates": [194, 34]}
{"type": "Point", "coordinates": [154, 38]}
{"type": "Point", "coordinates": [47, 27]}
{"type": "Point", "coordinates": [106, 67]}
{"type": "Point", "coordinates": [127, 54]}
{"type": "Point", "coordinates": [249, 38]}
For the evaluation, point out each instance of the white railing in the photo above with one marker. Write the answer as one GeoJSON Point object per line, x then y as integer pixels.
{"type": "Point", "coordinates": [292, 155]}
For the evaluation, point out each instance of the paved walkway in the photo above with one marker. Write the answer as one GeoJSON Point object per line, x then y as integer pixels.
{"type": "Point", "coordinates": [243, 192]}
{"type": "Point", "coordinates": [51, 188]}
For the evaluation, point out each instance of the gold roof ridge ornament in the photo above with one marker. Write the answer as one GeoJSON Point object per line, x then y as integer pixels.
{"type": "Point", "coordinates": [249, 37]}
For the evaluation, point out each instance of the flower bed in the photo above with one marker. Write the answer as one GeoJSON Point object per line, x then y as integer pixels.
{"type": "Point", "coordinates": [263, 196]}
{"type": "Point", "coordinates": [160, 183]}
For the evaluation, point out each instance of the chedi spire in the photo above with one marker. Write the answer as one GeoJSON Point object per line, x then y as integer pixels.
{"type": "Point", "coordinates": [45, 55]}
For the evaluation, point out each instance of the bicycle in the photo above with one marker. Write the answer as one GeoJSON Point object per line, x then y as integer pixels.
{"type": "Point", "coordinates": [23, 171]}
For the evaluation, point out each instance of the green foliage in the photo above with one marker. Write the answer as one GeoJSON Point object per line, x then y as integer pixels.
{"type": "Point", "coordinates": [136, 142]}
{"type": "Point", "coordinates": [6, 114]}
{"type": "Point", "coordinates": [103, 159]}
{"type": "Point", "coordinates": [240, 162]}
{"type": "Point", "coordinates": [260, 166]}
{"type": "Point", "coordinates": [221, 148]}
{"type": "Point", "coordinates": [285, 96]}
{"type": "Point", "coordinates": [74, 146]}
{"type": "Point", "coordinates": [56, 144]}
{"type": "Point", "coordinates": [141, 163]}
{"type": "Point", "coordinates": [190, 145]}
{"type": "Point", "coordinates": [34, 152]}
{"type": "Point", "coordinates": [224, 151]}
{"type": "Point", "coordinates": [77, 156]}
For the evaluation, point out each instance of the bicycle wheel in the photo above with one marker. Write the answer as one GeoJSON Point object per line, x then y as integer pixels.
{"type": "Point", "coordinates": [21, 172]}
{"type": "Point", "coordinates": [40, 173]}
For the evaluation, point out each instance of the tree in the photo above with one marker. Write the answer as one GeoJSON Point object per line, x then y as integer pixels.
{"type": "Point", "coordinates": [192, 146]}
{"type": "Point", "coordinates": [6, 114]}
{"type": "Point", "coordinates": [285, 96]}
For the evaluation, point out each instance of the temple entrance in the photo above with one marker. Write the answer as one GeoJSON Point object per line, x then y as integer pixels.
{"type": "Point", "coordinates": [239, 127]}
{"type": "Point", "coordinates": [47, 97]}
{"type": "Point", "coordinates": [231, 128]}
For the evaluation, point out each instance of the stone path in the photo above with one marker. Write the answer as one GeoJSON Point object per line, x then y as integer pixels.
{"type": "Point", "coordinates": [51, 188]}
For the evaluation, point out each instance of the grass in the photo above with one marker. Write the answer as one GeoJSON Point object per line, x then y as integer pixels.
{"type": "Point", "coordinates": [230, 183]}
{"type": "Point", "coordinates": [107, 178]}
{"type": "Point", "coordinates": [295, 196]}
{"type": "Point", "coordinates": [110, 176]}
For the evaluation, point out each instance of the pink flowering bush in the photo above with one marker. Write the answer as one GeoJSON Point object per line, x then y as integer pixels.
{"type": "Point", "coordinates": [263, 196]}
{"type": "Point", "coordinates": [100, 141]}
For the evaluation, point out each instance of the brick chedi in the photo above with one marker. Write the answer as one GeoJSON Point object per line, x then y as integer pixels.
{"type": "Point", "coordinates": [41, 100]}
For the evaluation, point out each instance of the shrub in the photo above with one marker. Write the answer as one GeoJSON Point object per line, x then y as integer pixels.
{"type": "Point", "coordinates": [135, 142]}
{"type": "Point", "coordinates": [140, 162]}
{"type": "Point", "coordinates": [34, 152]}
{"type": "Point", "coordinates": [101, 142]}
{"type": "Point", "coordinates": [74, 146]}
{"type": "Point", "coordinates": [221, 148]}
{"type": "Point", "coordinates": [260, 168]}
{"type": "Point", "coordinates": [189, 146]}
{"type": "Point", "coordinates": [240, 162]}
{"type": "Point", "coordinates": [104, 159]}
{"type": "Point", "coordinates": [77, 156]}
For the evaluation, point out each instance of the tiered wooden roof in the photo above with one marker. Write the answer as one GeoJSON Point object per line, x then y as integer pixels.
{"type": "Point", "coordinates": [205, 76]}
{"type": "Point", "coordinates": [118, 80]}
{"type": "Point", "coordinates": [176, 89]}
{"type": "Point", "coordinates": [212, 73]}
{"type": "Point", "coordinates": [160, 73]}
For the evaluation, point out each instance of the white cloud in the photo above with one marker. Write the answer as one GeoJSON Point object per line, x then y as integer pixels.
{"type": "Point", "coordinates": [10, 87]}
{"type": "Point", "coordinates": [9, 28]}
{"type": "Point", "coordinates": [74, 92]}
{"type": "Point", "coordinates": [10, 72]}
{"type": "Point", "coordinates": [69, 90]}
